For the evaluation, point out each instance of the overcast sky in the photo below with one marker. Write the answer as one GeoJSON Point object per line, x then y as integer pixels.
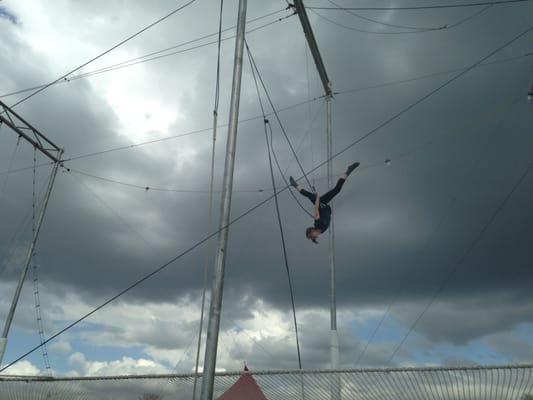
{"type": "Point", "coordinates": [437, 244]}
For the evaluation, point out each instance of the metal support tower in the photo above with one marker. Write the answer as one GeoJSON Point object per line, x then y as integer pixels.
{"type": "Point", "coordinates": [218, 280]}
{"type": "Point", "coordinates": [334, 337]}
{"type": "Point", "coordinates": [334, 344]}
{"type": "Point", "coordinates": [54, 153]}
{"type": "Point", "coordinates": [335, 388]}
{"type": "Point", "coordinates": [28, 132]}
{"type": "Point", "coordinates": [308, 32]}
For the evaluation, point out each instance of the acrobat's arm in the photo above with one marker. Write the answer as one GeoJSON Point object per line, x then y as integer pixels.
{"type": "Point", "coordinates": [317, 207]}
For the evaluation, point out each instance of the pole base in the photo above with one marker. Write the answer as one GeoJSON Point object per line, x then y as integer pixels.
{"type": "Point", "coordinates": [334, 349]}
{"type": "Point", "coordinates": [335, 384]}
{"type": "Point", "coordinates": [3, 344]}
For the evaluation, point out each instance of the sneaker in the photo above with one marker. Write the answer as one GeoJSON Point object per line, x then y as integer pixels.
{"type": "Point", "coordinates": [292, 181]}
{"type": "Point", "coordinates": [350, 168]}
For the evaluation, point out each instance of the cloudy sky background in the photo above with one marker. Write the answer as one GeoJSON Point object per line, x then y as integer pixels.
{"type": "Point", "coordinates": [400, 229]}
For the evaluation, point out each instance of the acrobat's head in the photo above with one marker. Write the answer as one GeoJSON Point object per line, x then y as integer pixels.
{"type": "Point", "coordinates": [312, 233]}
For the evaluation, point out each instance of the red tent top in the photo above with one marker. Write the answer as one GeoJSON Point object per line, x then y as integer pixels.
{"type": "Point", "coordinates": [246, 388]}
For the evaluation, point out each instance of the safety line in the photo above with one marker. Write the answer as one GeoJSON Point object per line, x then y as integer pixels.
{"type": "Point", "coordinates": [278, 165]}
{"type": "Point", "coordinates": [210, 207]}
{"type": "Point", "coordinates": [277, 116]}
{"type": "Point", "coordinates": [278, 213]}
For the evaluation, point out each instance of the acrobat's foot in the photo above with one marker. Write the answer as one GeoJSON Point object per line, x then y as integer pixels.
{"type": "Point", "coordinates": [292, 182]}
{"type": "Point", "coordinates": [350, 168]}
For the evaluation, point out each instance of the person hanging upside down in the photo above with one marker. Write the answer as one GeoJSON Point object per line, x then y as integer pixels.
{"type": "Point", "coordinates": [322, 214]}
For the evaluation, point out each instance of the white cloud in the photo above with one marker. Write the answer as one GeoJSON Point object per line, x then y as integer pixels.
{"type": "Point", "coordinates": [124, 366]}
{"type": "Point", "coordinates": [60, 346]}
{"type": "Point", "coordinates": [22, 368]}
{"type": "Point", "coordinates": [141, 118]}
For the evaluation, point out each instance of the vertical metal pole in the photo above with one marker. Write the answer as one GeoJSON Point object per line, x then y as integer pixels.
{"type": "Point", "coordinates": [11, 313]}
{"type": "Point", "coordinates": [332, 230]}
{"type": "Point", "coordinates": [210, 224]}
{"type": "Point", "coordinates": [334, 336]}
{"type": "Point", "coordinates": [218, 280]}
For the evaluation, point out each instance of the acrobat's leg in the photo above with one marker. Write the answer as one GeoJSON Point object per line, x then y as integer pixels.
{"type": "Point", "coordinates": [309, 195]}
{"type": "Point", "coordinates": [303, 192]}
{"type": "Point", "coordinates": [326, 198]}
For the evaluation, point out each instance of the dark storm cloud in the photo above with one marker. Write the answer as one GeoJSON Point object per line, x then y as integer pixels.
{"type": "Point", "coordinates": [400, 229]}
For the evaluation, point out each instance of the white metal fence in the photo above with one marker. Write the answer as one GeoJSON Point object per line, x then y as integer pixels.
{"type": "Point", "coordinates": [439, 383]}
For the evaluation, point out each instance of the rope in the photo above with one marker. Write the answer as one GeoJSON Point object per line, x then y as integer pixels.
{"type": "Point", "coordinates": [265, 201]}
{"type": "Point", "coordinates": [39, 320]}
{"type": "Point", "coordinates": [36, 297]}
{"type": "Point", "coordinates": [210, 208]}
{"type": "Point", "coordinates": [254, 66]}
{"type": "Point", "coordinates": [281, 173]}
{"type": "Point", "coordinates": [33, 191]}
{"type": "Point", "coordinates": [308, 81]}
{"type": "Point", "coordinates": [278, 214]}
{"type": "Point", "coordinates": [254, 71]}
{"type": "Point", "coordinates": [270, 150]}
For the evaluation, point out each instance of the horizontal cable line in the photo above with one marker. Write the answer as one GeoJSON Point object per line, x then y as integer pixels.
{"type": "Point", "coordinates": [292, 106]}
{"type": "Point", "coordinates": [463, 5]}
{"type": "Point", "coordinates": [154, 55]}
{"type": "Point", "coordinates": [352, 28]}
{"type": "Point", "coordinates": [299, 104]}
{"type": "Point", "coordinates": [432, 75]}
{"type": "Point", "coordinates": [441, 28]}
{"type": "Point", "coordinates": [270, 372]}
{"type": "Point", "coordinates": [130, 64]}
{"type": "Point", "coordinates": [131, 146]}
{"type": "Point", "coordinates": [105, 52]}
{"type": "Point", "coordinates": [147, 188]}
{"type": "Point", "coordinates": [374, 21]}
